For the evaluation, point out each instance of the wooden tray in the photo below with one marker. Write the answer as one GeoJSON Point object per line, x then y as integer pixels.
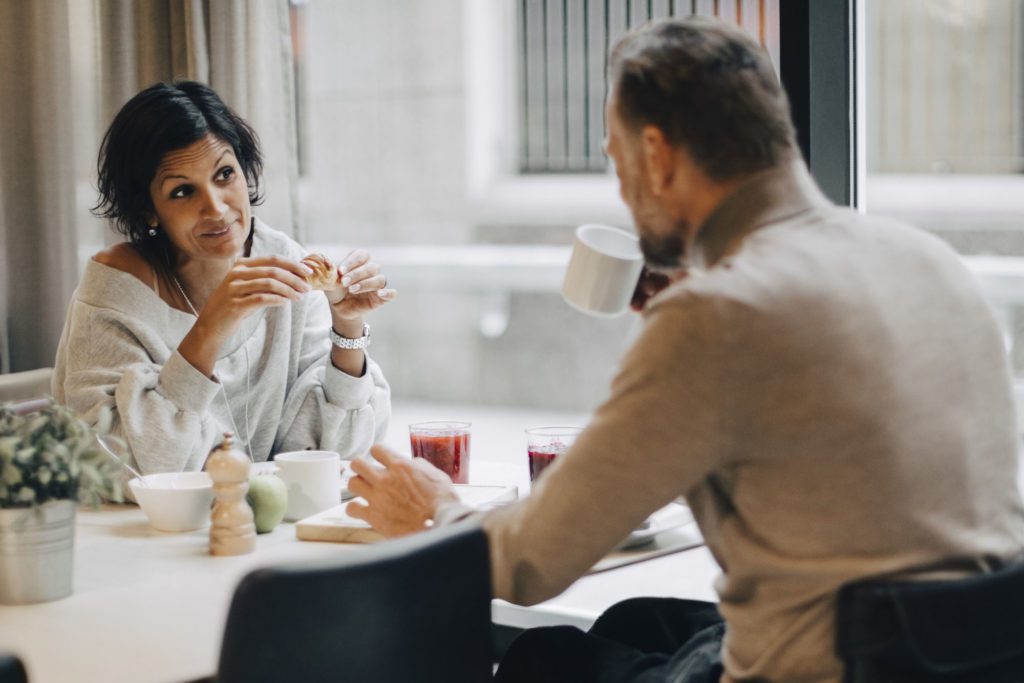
{"type": "Point", "coordinates": [334, 526]}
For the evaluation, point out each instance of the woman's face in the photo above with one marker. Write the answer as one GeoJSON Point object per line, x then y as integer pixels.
{"type": "Point", "coordinates": [201, 200]}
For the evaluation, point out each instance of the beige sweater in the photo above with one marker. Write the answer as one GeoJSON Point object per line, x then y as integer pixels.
{"type": "Point", "coordinates": [830, 393]}
{"type": "Point", "coordinates": [119, 349]}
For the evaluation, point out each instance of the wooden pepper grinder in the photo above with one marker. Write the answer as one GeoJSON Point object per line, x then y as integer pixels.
{"type": "Point", "coordinates": [232, 531]}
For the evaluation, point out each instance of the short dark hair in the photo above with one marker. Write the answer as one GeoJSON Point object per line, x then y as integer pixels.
{"type": "Point", "coordinates": [710, 88]}
{"type": "Point", "coordinates": [163, 118]}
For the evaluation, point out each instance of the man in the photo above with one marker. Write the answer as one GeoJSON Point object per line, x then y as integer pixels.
{"type": "Point", "coordinates": [829, 392]}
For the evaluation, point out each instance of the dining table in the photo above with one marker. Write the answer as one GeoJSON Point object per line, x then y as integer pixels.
{"type": "Point", "coordinates": [150, 606]}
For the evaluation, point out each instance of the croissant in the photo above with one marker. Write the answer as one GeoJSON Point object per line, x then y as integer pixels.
{"type": "Point", "coordinates": [324, 274]}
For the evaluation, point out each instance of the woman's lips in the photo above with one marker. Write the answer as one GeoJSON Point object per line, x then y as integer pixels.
{"type": "Point", "coordinates": [219, 233]}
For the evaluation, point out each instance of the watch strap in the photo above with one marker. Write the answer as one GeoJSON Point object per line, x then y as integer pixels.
{"type": "Point", "coordinates": [351, 344]}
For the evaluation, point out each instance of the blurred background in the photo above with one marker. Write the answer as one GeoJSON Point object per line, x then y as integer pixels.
{"type": "Point", "coordinates": [460, 140]}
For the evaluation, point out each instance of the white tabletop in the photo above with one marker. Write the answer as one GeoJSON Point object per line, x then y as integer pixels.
{"type": "Point", "coordinates": [151, 606]}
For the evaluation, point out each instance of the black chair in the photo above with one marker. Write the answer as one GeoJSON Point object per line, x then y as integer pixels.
{"type": "Point", "coordinates": [413, 609]}
{"type": "Point", "coordinates": [11, 669]}
{"type": "Point", "coordinates": [965, 631]}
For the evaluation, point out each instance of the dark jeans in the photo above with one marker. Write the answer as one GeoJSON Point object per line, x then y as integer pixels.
{"type": "Point", "coordinates": [639, 640]}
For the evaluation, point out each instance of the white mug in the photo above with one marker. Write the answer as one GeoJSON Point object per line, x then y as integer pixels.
{"type": "Point", "coordinates": [313, 479]}
{"type": "Point", "coordinates": [603, 271]}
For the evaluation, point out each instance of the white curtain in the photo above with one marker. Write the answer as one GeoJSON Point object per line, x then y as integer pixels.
{"type": "Point", "coordinates": [68, 66]}
{"type": "Point", "coordinates": [37, 175]}
{"type": "Point", "coordinates": [241, 48]}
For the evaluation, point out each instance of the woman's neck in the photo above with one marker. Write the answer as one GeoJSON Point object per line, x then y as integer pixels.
{"type": "Point", "coordinates": [200, 277]}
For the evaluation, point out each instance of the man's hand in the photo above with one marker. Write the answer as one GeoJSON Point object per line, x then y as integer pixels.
{"type": "Point", "coordinates": [650, 283]}
{"type": "Point", "coordinates": [402, 496]}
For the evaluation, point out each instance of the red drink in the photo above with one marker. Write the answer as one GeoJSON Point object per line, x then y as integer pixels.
{"type": "Point", "coordinates": [539, 462]}
{"type": "Point", "coordinates": [446, 448]}
{"type": "Point", "coordinates": [544, 444]}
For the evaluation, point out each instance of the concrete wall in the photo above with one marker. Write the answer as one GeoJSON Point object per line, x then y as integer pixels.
{"type": "Point", "coordinates": [385, 150]}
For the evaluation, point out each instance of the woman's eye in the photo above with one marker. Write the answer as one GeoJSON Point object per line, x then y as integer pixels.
{"type": "Point", "coordinates": [181, 191]}
{"type": "Point", "coordinates": [226, 173]}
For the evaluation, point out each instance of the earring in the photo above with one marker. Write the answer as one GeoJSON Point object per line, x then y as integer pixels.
{"type": "Point", "coordinates": [152, 232]}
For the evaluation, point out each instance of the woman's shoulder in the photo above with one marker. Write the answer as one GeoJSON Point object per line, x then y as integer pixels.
{"type": "Point", "coordinates": [126, 258]}
{"type": "Point", "coordinates": [274, 242]}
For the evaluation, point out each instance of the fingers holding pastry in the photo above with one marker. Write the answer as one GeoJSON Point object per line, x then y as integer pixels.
{"type": "Point", "coordinates": [325, 273]}
{"type": "Point", "coordinates": [353, 260]}
{"type": "Point", "coordinates": [356, 279]}
{"type": "Point", "coordinates": [377, 284]}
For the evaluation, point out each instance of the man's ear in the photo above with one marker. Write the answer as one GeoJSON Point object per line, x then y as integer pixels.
{"type": "Point", "coordinates": [659, 159]}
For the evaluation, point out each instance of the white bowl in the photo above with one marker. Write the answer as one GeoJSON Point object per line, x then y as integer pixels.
{"type": "Point", "coordinates": [175, 501]}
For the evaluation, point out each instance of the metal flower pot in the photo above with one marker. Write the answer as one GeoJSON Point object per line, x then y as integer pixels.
{"type": "Point", "coordinates": [36, 548]}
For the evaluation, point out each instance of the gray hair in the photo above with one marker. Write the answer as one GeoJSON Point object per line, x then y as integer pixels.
{"type": "Point", "coordinates": [710, 88]}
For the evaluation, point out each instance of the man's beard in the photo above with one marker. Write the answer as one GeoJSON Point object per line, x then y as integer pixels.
{"type": "Point", "coordinates": [663, 252]}
{"type": "Point", "coordinates": [661, 238]}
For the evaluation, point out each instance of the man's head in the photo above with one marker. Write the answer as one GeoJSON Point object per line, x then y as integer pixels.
{"type": "Point", "coordinates": [694, 108]}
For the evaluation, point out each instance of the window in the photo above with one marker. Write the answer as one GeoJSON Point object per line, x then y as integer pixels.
{"type": "Point", "coordinates": [419, 129]}
{"type": "Point", "coordinates": [945, 133]}
{"type": "Point", "coordinates": [561, 58]}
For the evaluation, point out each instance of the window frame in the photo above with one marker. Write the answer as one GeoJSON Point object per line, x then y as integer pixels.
{"type": "Point", "coordinates": [498, 193]}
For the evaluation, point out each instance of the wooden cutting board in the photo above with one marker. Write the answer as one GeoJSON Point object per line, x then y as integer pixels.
{"type": "Point", "coordinates": [335, 526]}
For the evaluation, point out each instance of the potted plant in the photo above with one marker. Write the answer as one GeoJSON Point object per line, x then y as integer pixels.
{"type": "Point", "coordinates": [49, 462]}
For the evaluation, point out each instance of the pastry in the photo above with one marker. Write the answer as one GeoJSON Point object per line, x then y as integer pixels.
{"type": "Point", "coordinates": [325, 274]}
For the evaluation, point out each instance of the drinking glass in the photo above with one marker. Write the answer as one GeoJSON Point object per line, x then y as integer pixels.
{"type": "Point", "coordinates": [445, 445]}
{"type": "Point", "coordinates": [544, 444]}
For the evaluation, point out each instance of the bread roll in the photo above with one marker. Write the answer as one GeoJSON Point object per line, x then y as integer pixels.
{"type": "Point", "coordinates": [325, 275]}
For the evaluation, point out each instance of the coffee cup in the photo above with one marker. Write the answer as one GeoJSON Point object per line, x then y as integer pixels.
{"type": "Point", "coordinates": [313, 479]}
{"type": "Point", "coordinates": [603, 270]}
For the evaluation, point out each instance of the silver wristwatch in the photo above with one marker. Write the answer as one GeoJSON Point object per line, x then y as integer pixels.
{"type": "Point", "coordinates": [351, 344]}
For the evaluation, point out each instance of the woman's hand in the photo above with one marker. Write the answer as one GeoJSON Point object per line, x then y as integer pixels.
{"type": "Point", "coordinates": [250, 284]}
{"type": "Point", "coordinates": [253, 283]}
{"type": "Point", "coordinates": [361, 287]}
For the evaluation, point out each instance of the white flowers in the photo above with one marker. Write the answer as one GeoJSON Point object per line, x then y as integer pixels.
{"type": "Point", "coordinates": [52, 455]}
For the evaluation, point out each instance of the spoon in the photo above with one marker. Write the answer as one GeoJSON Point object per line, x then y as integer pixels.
{"type": "Point", "coordinates": [115, 456]}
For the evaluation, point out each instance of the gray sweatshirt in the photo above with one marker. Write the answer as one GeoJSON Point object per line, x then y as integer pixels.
{"type": "Point", "coordinates": [119, 349]}
{"type": "Point", "coordinates": [832, 397]}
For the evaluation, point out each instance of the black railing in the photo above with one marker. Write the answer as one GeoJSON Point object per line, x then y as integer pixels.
{"type": "Point", "coordinates": [564, 47]}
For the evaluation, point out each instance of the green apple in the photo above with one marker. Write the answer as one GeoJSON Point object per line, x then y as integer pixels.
{"type": "Point", "coordinates": [268, 498]}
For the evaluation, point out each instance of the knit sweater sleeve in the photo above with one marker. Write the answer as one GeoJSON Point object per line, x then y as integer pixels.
{"type": "Point", "coordinates": [325, 408]}
{"type": "Point", "coordinates": [160, 406]}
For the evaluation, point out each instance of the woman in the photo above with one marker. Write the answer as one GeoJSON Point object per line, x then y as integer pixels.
{"type": "Point", "coordinates": [204, 320]}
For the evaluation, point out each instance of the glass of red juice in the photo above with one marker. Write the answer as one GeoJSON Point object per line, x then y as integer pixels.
{"type": "Point", "coordinates": [544, 444]}
{"type": "Point", "coordinates": [445, 445]}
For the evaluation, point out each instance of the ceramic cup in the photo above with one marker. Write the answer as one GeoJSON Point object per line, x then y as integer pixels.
{"type": "Point", "coordinates": [603, 270]}
{"type": "Point", "coordinates": [313, 479]}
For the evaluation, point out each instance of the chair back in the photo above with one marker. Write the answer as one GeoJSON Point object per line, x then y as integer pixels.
{"type": "Point", "coordinates": [11, 669]}
{"type": "Point", "coordinates": [969, 630]}
{"type": "Point", "coordinates": [17, 386]}
{"type": "Point", "coordinates": [413, 609]}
